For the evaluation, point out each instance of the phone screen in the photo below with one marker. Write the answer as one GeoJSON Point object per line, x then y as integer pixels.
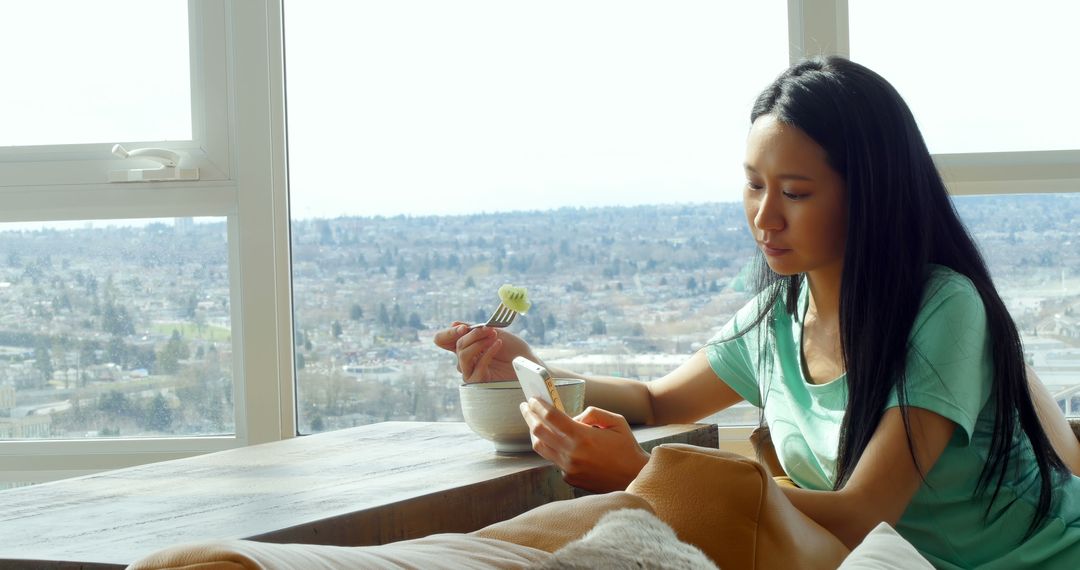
{"type": "Point", "coordinates": [536, 382]}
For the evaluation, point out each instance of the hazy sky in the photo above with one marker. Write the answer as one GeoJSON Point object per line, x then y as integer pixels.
{"type": "Point", "coordinates": [445, 107]}
{"type": "Point", "coordinates": [455, 107]}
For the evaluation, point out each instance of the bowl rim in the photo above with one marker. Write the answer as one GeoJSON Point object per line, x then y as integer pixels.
{"type": "Point", "coordinates": [514, 384]}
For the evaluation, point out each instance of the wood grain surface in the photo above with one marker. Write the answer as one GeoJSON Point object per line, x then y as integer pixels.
{"type": "Point", "coordinates": [367, 485]}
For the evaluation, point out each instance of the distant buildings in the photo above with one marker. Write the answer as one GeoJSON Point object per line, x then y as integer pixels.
{"type": "Point", "coordinates": [25, 427]}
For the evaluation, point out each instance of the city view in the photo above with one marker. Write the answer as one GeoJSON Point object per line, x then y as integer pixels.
{"type": "Point", "coordinates": [125, 331]}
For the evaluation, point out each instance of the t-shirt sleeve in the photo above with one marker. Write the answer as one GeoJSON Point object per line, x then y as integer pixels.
{"type": "Point", "coordinates": [732, 360]}
{"type": "Point", "coordinates": [949, 365]}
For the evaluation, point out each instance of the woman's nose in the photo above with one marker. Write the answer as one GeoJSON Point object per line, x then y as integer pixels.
{"type": "Point", "coordinates": [768, 216]}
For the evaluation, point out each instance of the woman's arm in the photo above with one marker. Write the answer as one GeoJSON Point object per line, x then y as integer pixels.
{"type": "Point", "coordinates": [597, 450]}
{"type": "Point", "coordinates": [1062, 438]}
{"type": "Point", "coordinates": [884, 480]}
{"type": "Point", "coordinates": [686, 394]}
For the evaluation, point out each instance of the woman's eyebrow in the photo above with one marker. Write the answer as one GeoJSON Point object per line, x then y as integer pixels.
{"type": "Point", "coordinates": [782, 176]}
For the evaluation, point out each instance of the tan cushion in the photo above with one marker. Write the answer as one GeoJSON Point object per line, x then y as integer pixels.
{"type": "Point", "coordinates": [439, 551]}
{"type": "Point", "coordinates": [728, 506]}
{"type": "Point", "coordinates": [550, 527]}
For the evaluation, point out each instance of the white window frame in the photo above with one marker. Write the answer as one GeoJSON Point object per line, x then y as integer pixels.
{"type": "Point", "coordinates": [820, 27]}
{"type": "Point", "coordinates": [238, 145]}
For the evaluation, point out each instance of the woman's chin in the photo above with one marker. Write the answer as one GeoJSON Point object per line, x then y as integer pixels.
{"type": "Point", "coordinates": [780, 268]}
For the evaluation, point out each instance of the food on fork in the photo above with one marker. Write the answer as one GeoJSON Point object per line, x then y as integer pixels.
{"type": "Point", "coordinates": [515, 298]}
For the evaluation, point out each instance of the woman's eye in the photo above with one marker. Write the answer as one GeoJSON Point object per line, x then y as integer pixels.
{"type": "Point", "coordinates": [794, 196]}
{"type": "Point", "coordinates": [753, 186]}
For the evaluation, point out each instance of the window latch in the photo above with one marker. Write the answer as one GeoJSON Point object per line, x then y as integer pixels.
{"type": "Point", "coordinates": [167, 170]}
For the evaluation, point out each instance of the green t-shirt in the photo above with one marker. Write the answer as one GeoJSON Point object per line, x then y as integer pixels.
{"type": "Point", "coordinates": [949, 372]}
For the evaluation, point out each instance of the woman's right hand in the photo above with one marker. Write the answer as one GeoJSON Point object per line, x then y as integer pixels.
{"type": "Point", "coordinates": [484, 354]}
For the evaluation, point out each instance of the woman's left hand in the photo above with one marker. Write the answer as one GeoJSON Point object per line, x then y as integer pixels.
{"type": "Point", "coordinates": [596, 450]}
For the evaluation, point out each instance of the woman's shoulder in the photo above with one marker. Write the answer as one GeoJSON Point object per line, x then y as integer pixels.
{"type": "Point", "coordinates": [950, 292]}
{"type": "Point", "coordinates": [944, 282]}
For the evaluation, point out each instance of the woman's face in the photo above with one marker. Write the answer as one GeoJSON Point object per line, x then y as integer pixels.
{"type": "Point", "coordinates": [795, 203]}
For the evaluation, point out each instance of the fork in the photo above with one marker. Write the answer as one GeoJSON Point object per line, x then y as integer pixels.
{"type": "Point", "coordinates": [502, 317]}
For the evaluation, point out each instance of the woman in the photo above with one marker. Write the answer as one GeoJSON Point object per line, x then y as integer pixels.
{"type": "Point", "coordinates": [889, 371]}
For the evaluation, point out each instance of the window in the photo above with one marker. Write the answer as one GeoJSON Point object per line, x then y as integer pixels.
{"type": "Point", "coordinates": [140, 319]}
{"type": "Point", "coordinates": [1029, 242]}
{"type": "Point", "coordinates": [582, 149]}
{"type": "Point", "coordinates": [115, 330]}
{"type": "Point", "coordinates": [980, 77]}
{"type": "Point", "coordinates": [978, 80]}
{"type": "Point", "coordinates": [555, 139]}
{"type": "Point", "coordinates": [142, 94]}
{"type": "Point", "coordinates": [146, 75]}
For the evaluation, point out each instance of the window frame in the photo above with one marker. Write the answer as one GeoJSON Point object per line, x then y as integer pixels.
{"type": "Point", "coordinates": [236, 57]}
{"type": "Point", "coordinates": [821, 27]}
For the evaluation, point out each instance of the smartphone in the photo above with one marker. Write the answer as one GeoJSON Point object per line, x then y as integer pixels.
{"type": "Point", "coordinates": [536, 382]}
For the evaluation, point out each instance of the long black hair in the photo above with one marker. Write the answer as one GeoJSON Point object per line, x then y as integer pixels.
{"type": "Point", "coordinates": [897, 203]}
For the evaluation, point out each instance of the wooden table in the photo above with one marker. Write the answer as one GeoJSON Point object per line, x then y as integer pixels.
{"type": "Point", "coordinates": [367, 485]}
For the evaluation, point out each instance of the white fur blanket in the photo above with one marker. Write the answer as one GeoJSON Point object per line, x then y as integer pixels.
{"type": "Point", "coordinates": [625, 539]}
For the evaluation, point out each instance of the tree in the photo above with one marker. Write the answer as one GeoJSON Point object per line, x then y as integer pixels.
{"type": "Point", "coordinates": [335, 329]}
{"type": "Point", "coordinates": [384, 315]}
{"type": "Point", "coordinates": [143, 358]}
{"type": "Point", "coordinates": [537, 328]}
{"type": "Point", "coordinates": [356, 312]}
{"type": "Point", "coordinates": [174, 351]}
{"type": "Point", "coordinates": [599, 326]}
{"type": "Point", "coordinates": [549, 322]}
{"type": "Point", "coordinates": [414, 321]}
{"type": "Point", "coordinates": [43, 361]}
{"type": "Point", "coordinates": [115, 403]}
{"type": "Point", "coordinates": [159, 416]}
{"type": "Point", "coordinates": [190, 304]}
{"type": "Point", "coordinates": [117, 351]}
{"type": "Point", "coordinates": [117, 321]}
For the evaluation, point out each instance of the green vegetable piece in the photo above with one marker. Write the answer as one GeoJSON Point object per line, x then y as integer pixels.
{"type": "Point", "coordinates": [515, 298]}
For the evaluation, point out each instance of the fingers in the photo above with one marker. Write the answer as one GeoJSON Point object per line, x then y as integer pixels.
{"type": "Point", "coordinates": [552, 416]}
{"type": "Point", "coordinates": [469, 347]}
{"type": "Point", "coordinates": [557, 432]}
{"type": "Point", "coordinates": [447, 339]}
{"type": "Point", "coordinates": [547, 442]}
{"type": "Point", "coordinates": [598, 417]}
{"type": "Point", "coordinates": [482, 365]}
{"type": "Point", "coordinates": [546, 451]}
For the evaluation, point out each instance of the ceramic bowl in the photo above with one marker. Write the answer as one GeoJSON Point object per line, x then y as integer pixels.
{"type": "Point", "coordinates": [491, 410]}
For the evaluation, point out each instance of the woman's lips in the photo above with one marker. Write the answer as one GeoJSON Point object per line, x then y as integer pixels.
{"type": "Point", "coordinates": [772, 250]}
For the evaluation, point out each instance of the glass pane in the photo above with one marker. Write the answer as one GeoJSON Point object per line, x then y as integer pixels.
{"type": "Point", "coordinates": [612, 130]}
{"type": "Point", "coordinates": [94, 72]}
{"type": "Point", "coordinates": [979, 76]}
{"type": "Point", "coordinates": [115, 329]}
{"type": "Point", "coordinates": [1030, 243]}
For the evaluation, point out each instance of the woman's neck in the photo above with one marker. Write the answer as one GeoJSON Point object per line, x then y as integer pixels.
{"type": "Point", "coordinates": [825, 295]}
